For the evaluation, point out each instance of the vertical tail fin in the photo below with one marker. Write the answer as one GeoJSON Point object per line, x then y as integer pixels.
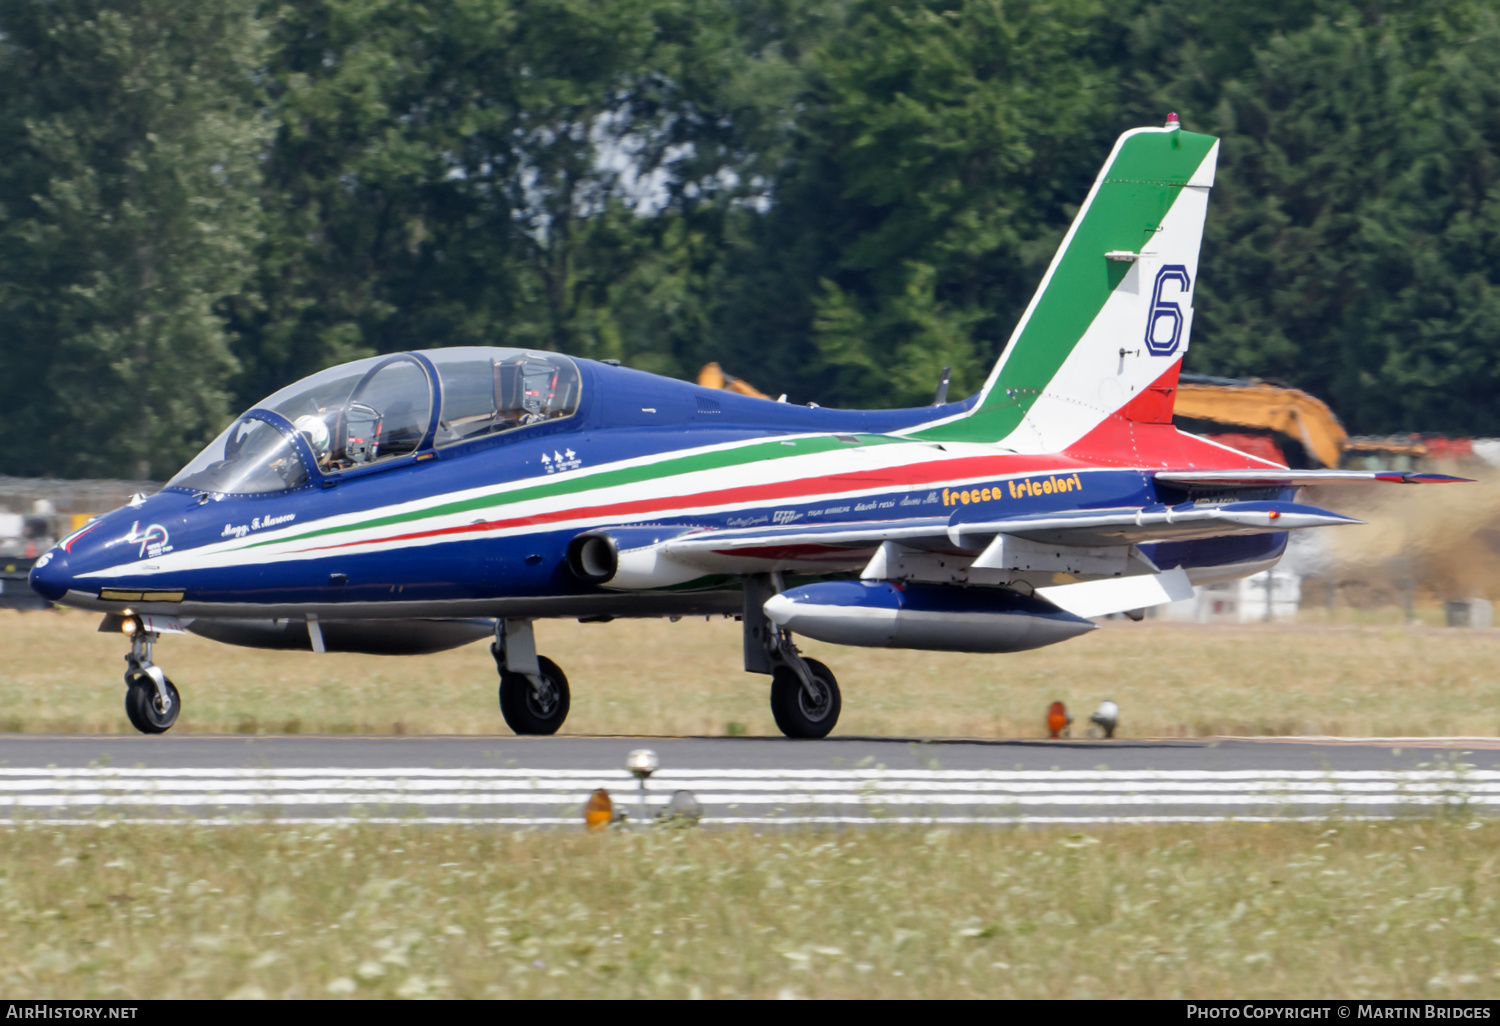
{"type": "Point", "coordinates": [1106, 330]}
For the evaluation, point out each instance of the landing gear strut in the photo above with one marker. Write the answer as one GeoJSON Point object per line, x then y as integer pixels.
{"type": "Point", "coordinates": [805, 699]}
{"type": "Point", "coordinates": [534, 696]}
{"type": "Point", "coordinates": [151, 700]}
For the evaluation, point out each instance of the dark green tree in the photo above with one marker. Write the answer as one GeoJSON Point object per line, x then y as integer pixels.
{"type": "Point", "coordinates": [937, 154]}
{"type": "Point", "coordinates": [545, 174]}
{"type": "Point", "coordinates": [127, 213]}
{"type": "Point", "coordinates": [1352, 243]}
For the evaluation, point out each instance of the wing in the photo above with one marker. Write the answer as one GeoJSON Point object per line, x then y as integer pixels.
{"type": "Point", "coordinates": [850, 546]}
{"type": "Point", "coordinates": [801, 547]}
{"type": "Point", "coordinates": [1297, 478]}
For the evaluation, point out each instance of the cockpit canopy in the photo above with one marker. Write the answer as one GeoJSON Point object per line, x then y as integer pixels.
{"type": "Point", "coordinates": [491, 390]}
{"type": "Point", "coordinates": [379, 409]}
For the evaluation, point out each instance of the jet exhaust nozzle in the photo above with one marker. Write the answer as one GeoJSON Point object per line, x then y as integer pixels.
{"type": "Point", "coordinates": [628, 559]}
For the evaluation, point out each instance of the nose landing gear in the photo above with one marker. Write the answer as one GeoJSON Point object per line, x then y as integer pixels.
{"type": "Point", "coordinates": [151, 700]}
{"type": "Point", "coordinates": [534, 697]}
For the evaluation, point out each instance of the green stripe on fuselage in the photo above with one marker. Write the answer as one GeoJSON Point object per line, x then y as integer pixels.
{"type": "Point", "coordinates": [1139, 188]}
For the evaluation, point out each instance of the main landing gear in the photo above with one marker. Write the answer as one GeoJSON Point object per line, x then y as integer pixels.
{"type": "Point", "coordinates": [534, 694]}
{"type": "Point", "coordinates": [151, 700]}
{"type": "Point", "coordinates": [805, 699]}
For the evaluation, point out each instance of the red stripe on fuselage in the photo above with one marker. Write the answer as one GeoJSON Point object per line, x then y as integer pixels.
{"type": "Point", "coordinates": [922, 475]}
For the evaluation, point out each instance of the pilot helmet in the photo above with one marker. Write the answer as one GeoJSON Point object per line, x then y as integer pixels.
{"type": "Point", "coordinates": [316, 432]}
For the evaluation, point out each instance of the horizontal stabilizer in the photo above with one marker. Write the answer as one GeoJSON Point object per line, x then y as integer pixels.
{"type": "Point", "coordinates": [1119, 594]}
{"type": "Point", "coordinates": [1297, 478]}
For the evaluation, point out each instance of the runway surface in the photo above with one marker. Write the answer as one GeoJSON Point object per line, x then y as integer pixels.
{"type": "Point", "coordinates": [545, 781]}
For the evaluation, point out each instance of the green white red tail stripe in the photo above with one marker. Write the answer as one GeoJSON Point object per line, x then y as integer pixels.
{"type": "Point", "coordinates": [1113, 314]}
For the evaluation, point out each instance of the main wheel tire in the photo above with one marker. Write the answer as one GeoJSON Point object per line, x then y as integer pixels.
{"type": "Point", "coordinates": [799, 714]}
{"type": "Point", "coordinates": [518, 703]}
{"type": "Point", "coordinates": [143, 706]}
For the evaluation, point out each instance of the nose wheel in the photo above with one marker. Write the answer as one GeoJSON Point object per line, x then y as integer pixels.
{"type": "Point", "coordinates": [152, 709]}
{"type": "Point", "coordinates": [151, 699]}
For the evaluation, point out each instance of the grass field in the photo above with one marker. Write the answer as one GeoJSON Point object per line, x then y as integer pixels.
{"type": "Point", "coordinates": [1353, 677]}
{"type": "Point", "coordinates": [1330, 910]}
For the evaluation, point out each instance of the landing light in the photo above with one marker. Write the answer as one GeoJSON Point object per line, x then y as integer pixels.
{"type": "Point", "coordinates": [128, 627]}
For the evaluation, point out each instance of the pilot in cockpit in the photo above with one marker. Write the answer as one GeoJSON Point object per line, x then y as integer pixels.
{"type": "Point", "coordinates": [317, 436]}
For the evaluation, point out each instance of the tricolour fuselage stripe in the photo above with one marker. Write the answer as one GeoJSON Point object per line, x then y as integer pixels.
{"type": "Point", "coordinates": [923, 475]}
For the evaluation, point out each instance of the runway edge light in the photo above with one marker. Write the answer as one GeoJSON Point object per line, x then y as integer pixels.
{"type": "Point", "coordinates": [642, 762]}
{"type": "Point", "coordinates": [1057, 719]}
{"type": "Point", "coordinates": [1106, 717]}
{"type": "Point", "coordinates": [684, 809]}
{"type": "Point", "coordinates": [598, 811]}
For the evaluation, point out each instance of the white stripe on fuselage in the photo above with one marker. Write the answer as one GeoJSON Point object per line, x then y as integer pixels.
{"type": "Point", "coordinates": [287, 544]}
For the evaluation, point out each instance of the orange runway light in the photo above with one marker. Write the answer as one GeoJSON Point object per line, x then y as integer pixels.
{"type": "Point", "coordinates": [1058, 718]}
{"type": "Point", "coordinates": [599, 811]}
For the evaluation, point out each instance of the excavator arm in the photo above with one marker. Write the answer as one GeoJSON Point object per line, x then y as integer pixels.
{"type": "Point", "coordinates": [1288, 410]}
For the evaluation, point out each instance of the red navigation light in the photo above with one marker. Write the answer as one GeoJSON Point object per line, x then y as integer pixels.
{"type": "Point", "coordinates": [1172, 121]}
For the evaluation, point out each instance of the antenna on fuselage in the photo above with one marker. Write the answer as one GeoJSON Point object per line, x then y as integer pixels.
{"type": "Point", "coordinates": [942, 390]}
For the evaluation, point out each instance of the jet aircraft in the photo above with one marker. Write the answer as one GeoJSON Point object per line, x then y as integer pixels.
{"type": "Point", "coordinates": [418, 501]}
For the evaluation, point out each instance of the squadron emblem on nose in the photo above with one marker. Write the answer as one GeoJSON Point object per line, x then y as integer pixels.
{"type": "Point", "coordinates": [152, 541]}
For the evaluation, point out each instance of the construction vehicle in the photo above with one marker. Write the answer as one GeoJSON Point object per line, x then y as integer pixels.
{"type": "Point", "coordinates": [713, 376]}
{"type": "Point", "coordinates": [1298, 429]}
{"type": "Point", "coordinates": [1268, 411]}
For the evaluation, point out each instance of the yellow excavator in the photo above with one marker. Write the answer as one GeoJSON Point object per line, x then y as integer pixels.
{"type": "Point", "coordinates": [1260, 406]}
{"type": "Point", "coordinates": [713, 376]}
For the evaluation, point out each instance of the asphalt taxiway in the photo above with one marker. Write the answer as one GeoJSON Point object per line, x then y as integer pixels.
{"type": "Point", "coordinates": [858, 780]}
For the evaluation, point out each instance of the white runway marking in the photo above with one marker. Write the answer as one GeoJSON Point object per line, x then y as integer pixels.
{"type": "Point", "coordinates": [527, 797]}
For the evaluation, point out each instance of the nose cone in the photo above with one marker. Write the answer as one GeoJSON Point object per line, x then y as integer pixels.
{"type": "Point", "coordinates": [51, 575]}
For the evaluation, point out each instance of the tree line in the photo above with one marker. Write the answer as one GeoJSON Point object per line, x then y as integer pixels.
{"type": "Point", "coordinates": [200, 203]}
